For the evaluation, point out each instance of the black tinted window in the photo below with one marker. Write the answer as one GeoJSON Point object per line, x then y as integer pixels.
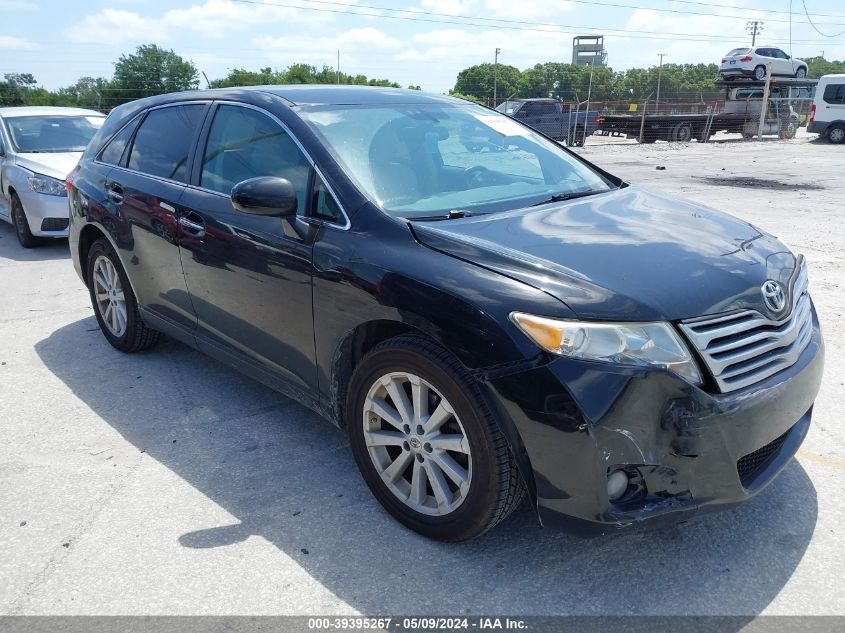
{"type": "Point", "coordinates": [244, 143]}
{"type": "Point", "coordinates": [834, 93]}
{"type": "Point", "coordinates": [114, 150]}
{"type": "Point", "coordinates": [325, 206]}
{"type": "Point", "coordinates": [163, 141]}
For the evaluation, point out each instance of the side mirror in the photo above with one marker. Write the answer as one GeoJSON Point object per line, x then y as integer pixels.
{"type": "Point", "coordinates": [265, 195]}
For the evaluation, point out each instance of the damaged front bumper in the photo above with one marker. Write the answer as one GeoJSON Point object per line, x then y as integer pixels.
{"type": "Point", "coordinates": [684, 450]}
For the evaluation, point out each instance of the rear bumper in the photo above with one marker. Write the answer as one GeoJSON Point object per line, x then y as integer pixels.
{"type": "Point", "coordinates": [687, 451]}
{"type": "Point", "coordinates": [47, 215]}
{"type": "Point", "coordinates": [735, 71]}
{"type": "Point", "coordinates": [817, 127]}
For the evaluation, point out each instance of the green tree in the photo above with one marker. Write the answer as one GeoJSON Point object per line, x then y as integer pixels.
{"type": "Point", "coordinates": [151, 70]}
{"type": "Point", "coordinates": [87, 92]}
{"type": "Point", "coordinates": [241, 77]}
{"type": "Point", "coordinates": [296, 74]}
{"type": "Point", "coordinates": [818, 66]}
{"type": "Point", "coordinates": [16, 88]}
{"type": "Point", "coordinates": [459, 95]}
{"type": "Point", "coordinates": [477, 81]}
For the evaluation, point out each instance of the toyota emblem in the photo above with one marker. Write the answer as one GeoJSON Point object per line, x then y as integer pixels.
{"type": "Point", "coordinates": [774, 296]}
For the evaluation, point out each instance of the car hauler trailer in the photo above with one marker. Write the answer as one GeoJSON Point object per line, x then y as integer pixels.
{"type": "Point", "coordinates": [740, 113]}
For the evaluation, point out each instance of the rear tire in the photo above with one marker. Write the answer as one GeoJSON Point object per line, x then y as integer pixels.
{"type": "Point", "coordinates": [25, 236]}
{"type": "Point", "coordinates": [437, 460]}
{"type": "Point", "coordinates": [114, 303]}
{"type": "Point", "coordinates": [836, 134]}
{"type": "Point", "coordinates": [760, 73]}
{"type": "Point", "coordinates": [682, 132]}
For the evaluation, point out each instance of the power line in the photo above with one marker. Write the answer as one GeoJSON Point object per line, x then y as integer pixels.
{"type": "Point", "coordinates": [409, 13]}
{"type": "Point", "coordinates": [474, 22]}
{"type": "Point", "coordinates": [807, 13]}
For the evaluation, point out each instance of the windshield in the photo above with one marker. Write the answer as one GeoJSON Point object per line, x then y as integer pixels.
{"type": "Point", "coordinates": [428, 160]}
{"type": "Point", "coordinates": [508, 107]}
{"type": "Point", "coordinates": [52, 133]}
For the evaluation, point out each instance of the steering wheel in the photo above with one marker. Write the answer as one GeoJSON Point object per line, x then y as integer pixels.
{"type": "Point", "coordinates": [476, 176]}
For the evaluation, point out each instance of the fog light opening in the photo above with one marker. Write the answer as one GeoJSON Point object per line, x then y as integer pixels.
{"type": "Point", "coordinates": [617, 484]}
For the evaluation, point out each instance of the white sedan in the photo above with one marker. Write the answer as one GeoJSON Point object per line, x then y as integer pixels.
{"type": "Point", "coordinates": [754, 61]}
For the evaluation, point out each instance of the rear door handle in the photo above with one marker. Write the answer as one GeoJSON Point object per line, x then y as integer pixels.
{"type": "Point", "coordinates": [195, 229]}
{"type": "Point", "coordinates": [115, 192]}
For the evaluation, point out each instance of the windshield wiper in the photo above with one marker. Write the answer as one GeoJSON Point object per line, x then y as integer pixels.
{"type": "Point", "coordinates": [561, 197]}
{"type": "Point", "coordinates": [454, 214]}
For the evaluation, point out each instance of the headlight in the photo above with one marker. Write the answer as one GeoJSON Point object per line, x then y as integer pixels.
{"type": "Point", "coordinates": [643, 344]}
{"type": "Point", "coordinates": [47, 185]}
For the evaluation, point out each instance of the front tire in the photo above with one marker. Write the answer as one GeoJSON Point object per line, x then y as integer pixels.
{"type": "Point", "coordinates": [801, 73]}
{"type": "Point", "coordinates": [426, 441]}
{"type": "Point", "coordinates": [25, 236]}
{"type": "Point", "coordinates": [114, 303]}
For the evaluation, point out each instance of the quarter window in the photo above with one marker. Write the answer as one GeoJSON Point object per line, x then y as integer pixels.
{"type": "Point", "coordinates": [114, 150]}
{"type": "Point", "coordinates": [835, 94]}
{"type": "Point", "coordinates": [325, 206]}
{"type": "Point", "coordinates": [164, 140]}
{"type": "Point", "coordinates": [244, 143]}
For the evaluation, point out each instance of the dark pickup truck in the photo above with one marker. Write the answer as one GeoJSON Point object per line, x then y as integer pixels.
{"type": "Point", "coordinates": [559, 121]}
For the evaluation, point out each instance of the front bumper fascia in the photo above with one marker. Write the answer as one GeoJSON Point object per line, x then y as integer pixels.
{"type": "Point", "coordinates": [577, 421]}
{"type": "Point", "coordinates": [39, 207]}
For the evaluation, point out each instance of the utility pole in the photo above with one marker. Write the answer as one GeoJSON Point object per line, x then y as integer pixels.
{"type": "Point", "coordinates": [659, 72]}
{"type": "Point", "coordinates": [755, 27]}
{"type": "Point", "coordinates": [338, 67]}
{"type": "Point", "coordinates": [496, 75]}
{"type": "Point", "coordinates": [589, 94]}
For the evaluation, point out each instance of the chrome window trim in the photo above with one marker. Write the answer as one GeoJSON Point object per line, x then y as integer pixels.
{"type": "Point", "coordinates": [311, 220]}
{"type": "Point", "coordinates": [144, 113]}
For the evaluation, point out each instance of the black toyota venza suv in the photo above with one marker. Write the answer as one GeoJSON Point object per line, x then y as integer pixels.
{"type": "Point", "coordinates": [489, 315]}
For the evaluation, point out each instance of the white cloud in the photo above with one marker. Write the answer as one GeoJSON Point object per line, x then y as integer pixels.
{"type": "Point", "coordinates": [116, 26]}
{"type": "Point", "coordinates": [365, 38]}
{"type": "Point", "coordinates": [217, 18]}
{"type": "Point", "coordinates": [12, 42]}
{"type": "Point", "coordinates": [211, 19]}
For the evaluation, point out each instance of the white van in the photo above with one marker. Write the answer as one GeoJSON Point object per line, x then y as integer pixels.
{"type": "Point", "coordinates": [827, 114]}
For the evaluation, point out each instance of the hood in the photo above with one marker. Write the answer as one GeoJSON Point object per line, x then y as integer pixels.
{"type": "Point", "coordinates": [627, 255]}
{"type": "Point", "coordinates": [55, 164]}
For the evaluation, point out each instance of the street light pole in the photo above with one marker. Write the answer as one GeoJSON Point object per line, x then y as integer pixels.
{"type": "Point", "coordinates": [496, 75]}
{"type": "Point", "coordinates": [659, 72]}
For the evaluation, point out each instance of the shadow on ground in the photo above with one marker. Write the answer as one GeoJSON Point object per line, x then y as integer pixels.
{"type": "Point", "coordinates": [287, 476]}
{"type": "Point", "coordinates": [10, 248]}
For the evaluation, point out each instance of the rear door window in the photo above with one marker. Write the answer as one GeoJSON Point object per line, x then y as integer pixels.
{"type": "Point", "coordinates": [834, 94]}
{"type": "Point", "coordinates": [164, 140]}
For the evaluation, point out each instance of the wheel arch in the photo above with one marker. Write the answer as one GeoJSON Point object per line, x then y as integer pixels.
{"type": "Point", "coordinates": [366, 336]}
{"type": "Point", "coordinates": [89, 234]}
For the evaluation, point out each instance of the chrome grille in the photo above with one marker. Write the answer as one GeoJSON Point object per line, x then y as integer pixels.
{"type": "Point", "coordinates": [741, 348]}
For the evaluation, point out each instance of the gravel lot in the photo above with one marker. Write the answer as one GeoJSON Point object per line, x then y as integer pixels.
{"type": "Point", "coordinates": [165, 483]}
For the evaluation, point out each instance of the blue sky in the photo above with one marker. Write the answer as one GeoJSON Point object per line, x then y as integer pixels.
{"type": "Point", "coordinates": [61, 41]}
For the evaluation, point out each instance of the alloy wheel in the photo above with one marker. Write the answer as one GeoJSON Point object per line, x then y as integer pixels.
{"type": "Point", "coordinates": [837, 135]}
{"type": "Point", "coordinates": [417, 444]}
{"type": "Point", "coordinates": [108, 294]}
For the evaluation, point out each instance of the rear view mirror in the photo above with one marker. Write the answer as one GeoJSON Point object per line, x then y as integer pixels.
{"type": "Point", "coordinates": [266, 195]}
